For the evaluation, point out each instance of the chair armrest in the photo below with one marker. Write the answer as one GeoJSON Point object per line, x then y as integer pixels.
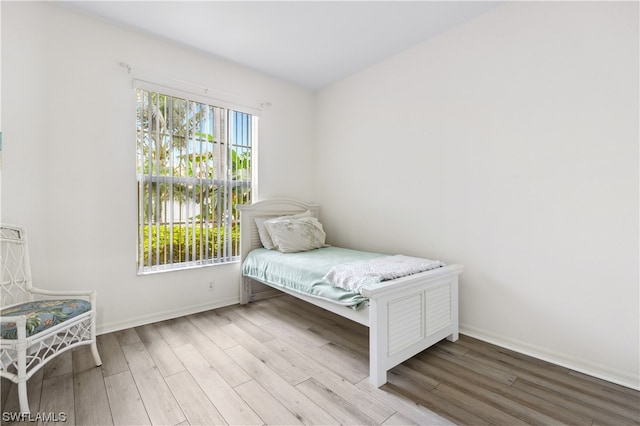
{"type": "Point", "coordinates": [56, 293]}
{"type": "Point", "coordinates": [10, 318]}
{"type": "Point", "coordinates": [90, 295]}
{"type": "Point", "coordinates": [21, 328]}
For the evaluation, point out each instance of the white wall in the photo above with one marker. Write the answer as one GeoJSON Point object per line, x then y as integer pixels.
{"type": "Point", "coordinates": [69, 155]}
{"type": "Point", "coordinates": [508, 144]}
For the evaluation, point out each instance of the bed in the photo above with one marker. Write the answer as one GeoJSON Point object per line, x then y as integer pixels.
{"type": "Point", "coordinates": [405, 315]}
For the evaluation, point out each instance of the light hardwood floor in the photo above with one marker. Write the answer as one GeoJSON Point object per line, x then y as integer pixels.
{"type": "Point", "coordinates": [284, 362]}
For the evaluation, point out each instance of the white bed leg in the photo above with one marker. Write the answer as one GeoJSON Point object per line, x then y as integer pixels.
{"type": "Point", "coordinates": [454, 310]}
{"type": "Point", "coordinates": [245, 291]}
{"type": "Point", "coordinates": [377, 343]}
{"type": "Point", "coordinates": [377, 376]}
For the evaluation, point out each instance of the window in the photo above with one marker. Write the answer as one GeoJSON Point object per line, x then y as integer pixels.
{"type": "Point", "coordinates": [194, 165]}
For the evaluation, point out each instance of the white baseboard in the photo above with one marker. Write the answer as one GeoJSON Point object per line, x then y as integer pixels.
{"type": "Point", "coordinates": [603, 372]}
{"type": "Point", "coordinates": [163, 316]}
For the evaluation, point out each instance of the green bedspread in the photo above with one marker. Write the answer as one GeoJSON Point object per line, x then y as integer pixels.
{"type": "Point", "coordinates": [303, 272]}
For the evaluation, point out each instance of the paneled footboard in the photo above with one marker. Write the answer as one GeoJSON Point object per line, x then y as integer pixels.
{"type": "Point", "coordinates": [410, 314]}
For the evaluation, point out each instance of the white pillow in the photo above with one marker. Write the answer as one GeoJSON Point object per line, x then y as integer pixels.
{"type": "Point", "coordinates": [292, 235]}
{"type": "Point", "coordinates": [265, 238]}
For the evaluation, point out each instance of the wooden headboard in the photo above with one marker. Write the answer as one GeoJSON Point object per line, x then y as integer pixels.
{"type": "Point", "coordinates": [249, 237]}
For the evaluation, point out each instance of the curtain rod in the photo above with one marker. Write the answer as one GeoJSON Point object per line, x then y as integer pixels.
{"type": "Point", "coordinates": [263, 105]}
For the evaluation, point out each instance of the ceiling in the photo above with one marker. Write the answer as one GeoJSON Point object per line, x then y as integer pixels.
{"type": "Point", "coordinates": [308, 43]}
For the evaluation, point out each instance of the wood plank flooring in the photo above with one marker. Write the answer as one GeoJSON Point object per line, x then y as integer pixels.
{"type": "Point", "coordinates": [284, 362]}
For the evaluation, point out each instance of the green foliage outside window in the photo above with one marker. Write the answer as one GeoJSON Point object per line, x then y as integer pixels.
{"type": "Point", "coordinates": [174, 243]}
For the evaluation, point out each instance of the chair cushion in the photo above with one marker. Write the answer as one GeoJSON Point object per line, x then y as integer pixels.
{"type": "Point", "coordinates": [42, 314]}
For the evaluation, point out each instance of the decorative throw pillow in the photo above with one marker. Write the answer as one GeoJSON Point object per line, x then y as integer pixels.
{"type": "Point", "coordinates": [265, 238]}
{"type": "Point", "coordinates": [292, 235]}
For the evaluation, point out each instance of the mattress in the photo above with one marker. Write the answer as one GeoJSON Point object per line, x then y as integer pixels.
{"type": "Point", "coordinates": [303, 272]}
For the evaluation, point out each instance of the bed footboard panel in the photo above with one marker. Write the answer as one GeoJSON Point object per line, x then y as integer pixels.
{"type": "Point", "coordinates": [408, 317]}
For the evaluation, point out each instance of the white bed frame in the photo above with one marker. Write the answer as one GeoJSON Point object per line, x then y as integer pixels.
{"type": "Point", "coordinates": [405, 316]}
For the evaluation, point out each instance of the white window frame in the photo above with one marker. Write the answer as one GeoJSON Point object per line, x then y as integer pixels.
{"type": "Point", "coordinates": [197, 227]}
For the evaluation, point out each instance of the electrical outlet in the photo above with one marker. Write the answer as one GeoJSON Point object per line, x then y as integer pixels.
{"type": "Point", "coordinates": [212, 286]}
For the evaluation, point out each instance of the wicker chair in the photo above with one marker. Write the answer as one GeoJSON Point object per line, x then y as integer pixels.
{"type": "Point", "coordinates": [37, 325]}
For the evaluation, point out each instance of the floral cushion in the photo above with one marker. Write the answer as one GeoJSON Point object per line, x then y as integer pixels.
{"type": "Point", "coordinates": [42, 314]}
